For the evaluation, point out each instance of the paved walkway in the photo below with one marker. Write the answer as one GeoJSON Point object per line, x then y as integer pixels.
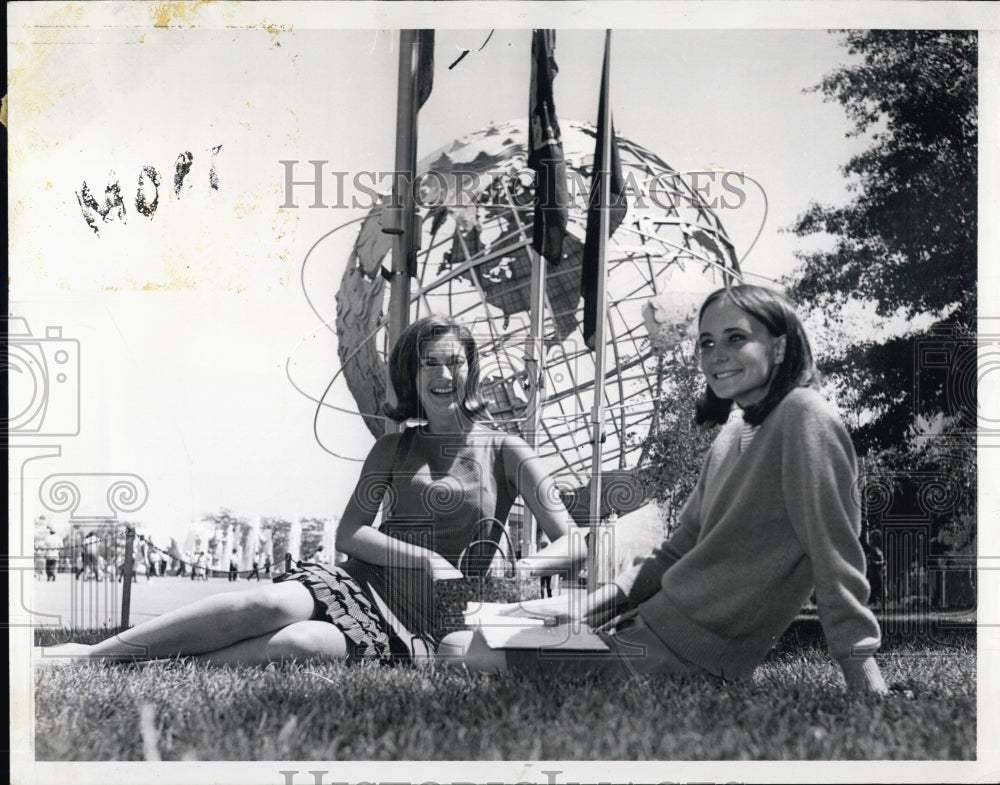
{"type": "Point", "coordinates": [66, 602]}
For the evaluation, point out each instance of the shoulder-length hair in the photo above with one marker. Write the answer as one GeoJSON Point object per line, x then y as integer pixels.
{"type": "Point", "coordinates": [797, 368]}
{"type": "Point", "coordinates": [404, 364]}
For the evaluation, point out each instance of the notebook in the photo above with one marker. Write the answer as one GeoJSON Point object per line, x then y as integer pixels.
{"type": "Point", "coordinates": [524, 626]}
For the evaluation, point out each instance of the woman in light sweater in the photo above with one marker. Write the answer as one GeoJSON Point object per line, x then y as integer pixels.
{"type": "Point", "coordinates": [774, 515]}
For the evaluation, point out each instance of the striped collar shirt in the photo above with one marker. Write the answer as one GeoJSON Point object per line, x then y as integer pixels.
{"type": "Point", "coordinates": [746, 435]}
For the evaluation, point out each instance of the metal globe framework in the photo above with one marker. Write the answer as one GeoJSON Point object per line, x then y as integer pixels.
{"type": "Point", "coordinates": [475, 215]}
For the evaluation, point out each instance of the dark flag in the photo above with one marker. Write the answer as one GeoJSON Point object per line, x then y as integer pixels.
{"type": "Point", "coordinates": [546, 151]}
{"type": "Point", "coordinates": [593, 263]}
{"type": "Point", "coordinates": [425, 66]}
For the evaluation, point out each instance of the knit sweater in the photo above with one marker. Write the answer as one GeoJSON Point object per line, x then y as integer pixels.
{"type": "Point", "coordinates": [762, 528]}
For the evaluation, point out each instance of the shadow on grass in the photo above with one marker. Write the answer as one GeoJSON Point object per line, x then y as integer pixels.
{"type": "Point", "coordinates": [898, 636]}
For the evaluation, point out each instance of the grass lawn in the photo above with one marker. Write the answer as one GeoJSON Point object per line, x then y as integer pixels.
{"type": "Point", "coordinates": [795, 708]}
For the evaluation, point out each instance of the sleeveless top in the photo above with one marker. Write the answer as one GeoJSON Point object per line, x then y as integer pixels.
{"type": "Point", "coordinates": [454, 502]}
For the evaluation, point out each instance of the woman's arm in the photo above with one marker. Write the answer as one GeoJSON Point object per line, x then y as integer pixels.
{"type": "Point", "coordinates": [358, 538]}
{"type": "Point", "coordinates": [526, 474]}
{"type": "Point", "coordinates": [595, 608]}
{"type": "Point", "coordinates": [819, 485]}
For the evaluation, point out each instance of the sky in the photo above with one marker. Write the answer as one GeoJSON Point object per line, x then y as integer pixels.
{"type": "Point", "coordinates": [199, 356]}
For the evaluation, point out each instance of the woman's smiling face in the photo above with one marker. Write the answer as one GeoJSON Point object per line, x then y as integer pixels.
{"type": "Point", "coordinates": [738, 355]}
{"type": "Point", "coordinates": [442, 376]}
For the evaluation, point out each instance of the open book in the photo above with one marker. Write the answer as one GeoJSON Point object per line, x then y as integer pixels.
{"type": "Point", "coordinates": [533, 624]}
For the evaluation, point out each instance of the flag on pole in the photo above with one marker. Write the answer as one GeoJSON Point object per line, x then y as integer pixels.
{"type": "Point", "coordinates": [545, 154]}
{"type": "Point", "coordinates": [415, 82]}
{"type": "Point", "coordinates": [425, 66]}
{"type": "Point", "coordinates": [614, 205]}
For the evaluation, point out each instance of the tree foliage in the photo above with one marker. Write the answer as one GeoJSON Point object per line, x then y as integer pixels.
{"type": "Point", "coordinates": [313, 532]}
{"type": "Point", "coordinates": [903, 254]}
{"type": "Point", "coordinates": [906, 244]}
{"type": "Point", "coordinates": [907, 239]}
{"type": "Point", "coordinates": [675, 446]}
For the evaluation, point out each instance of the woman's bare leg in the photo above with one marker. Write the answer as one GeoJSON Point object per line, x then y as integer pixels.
{"type": "Point", "coordinates": [304, 640]}
{"type": "Point", "coordinates": [206, 625]}
{"type": "Point", "coordinates": [468, 648]}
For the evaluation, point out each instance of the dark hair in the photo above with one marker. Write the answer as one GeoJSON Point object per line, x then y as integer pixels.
{"type": "Point", "coordinates": [404, 364]}
{"type": "Point", "coordinates": [797, 368]}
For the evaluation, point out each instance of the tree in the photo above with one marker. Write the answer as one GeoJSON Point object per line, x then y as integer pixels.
{"type": "Point", "coordinates": [279, 529]}
{"type": "Point", "coordinates": [906, 245]}
{"type": "Point", "coordinates": [907, 239]}
{"type": "Point", "coordinates": [221, 521]}
{"type": "Point", "coordinates": [675, 446]}
{"type": "Point", "coordinates": [313, 532]}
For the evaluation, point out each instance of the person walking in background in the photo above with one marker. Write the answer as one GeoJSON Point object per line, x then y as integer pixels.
{"type": "Point", "coordinates": [267, 565]}
{"type": "Point", "coordinates": [150, 560]}
{"type": "Point", "coordinates": [53, 545]}
{"type": "Point", "coordinates": [319, 556]}
{"type": "Point", "coordinates": [140, 558]}
{"type": "Point", "coordinates": [545, 588]}
{"type": "Point", "coordinates": [88, 557]}
{"type": "Point", "coordinates": [233, 566]}
{"type": "Point", "coordinates": [120, 571]}
{"type": "Point", "coordinates": [161, 563]}
{"type": "Point", "coordinates": [876, 564]}
{"type": "Point", "coordinates": [254, 564]}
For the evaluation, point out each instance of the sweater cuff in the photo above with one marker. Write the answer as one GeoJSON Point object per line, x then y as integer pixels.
{"type": "Point", "coordinates": [862, 674]}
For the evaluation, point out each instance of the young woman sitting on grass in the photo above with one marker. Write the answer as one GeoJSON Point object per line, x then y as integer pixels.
{"type": "Point", "coordinates": [447, 486]}
{"type": "Point", "coordinates": [774, 515]}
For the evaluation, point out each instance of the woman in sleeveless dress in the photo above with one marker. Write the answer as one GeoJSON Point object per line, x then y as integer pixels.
{"type": "Point", "coordinates": [446, 488]}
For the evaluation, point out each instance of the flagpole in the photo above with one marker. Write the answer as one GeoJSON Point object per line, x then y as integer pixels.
{"type": "Point", "coordinates": [600, 349]}
{"type": "Point", "coordinates": [398, 216]}
{"type": "Point", "coordinates": [534, 366]}
{"type": "Point", "coordinates": [546, 158]}
{"type": "Point", "coordinates": [533, 356]}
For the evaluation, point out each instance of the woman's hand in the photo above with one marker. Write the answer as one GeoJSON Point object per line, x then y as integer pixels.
{"type": "Point", "coordinates": [864, 675]}
{"type": "Point", "coordinates": [540, 565]}
{"type": "Point", "coordinates": [603, 604]}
